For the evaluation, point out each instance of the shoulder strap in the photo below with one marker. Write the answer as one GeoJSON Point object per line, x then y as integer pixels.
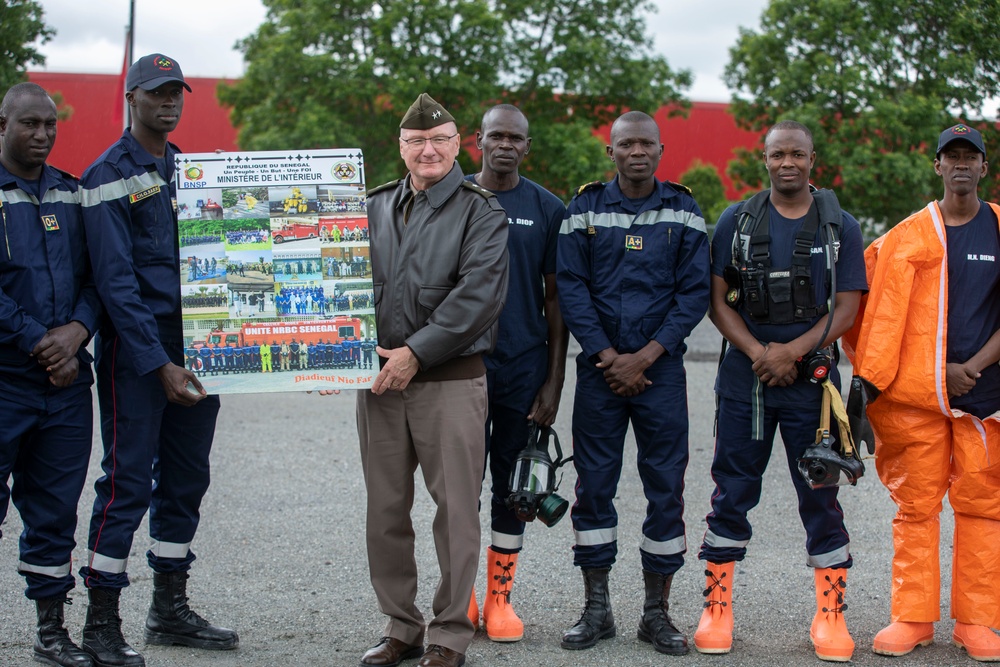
{"type": "Point", "coordinates": [679, 186]}
{"type": "Point", "coordinates": [752, 220]}
{"type": "Point", "coordinates": [478, 189]}
{"type": "Point", "coordinates": [587, 186]}
{"type": "Point", "coordinates": [384, 186]}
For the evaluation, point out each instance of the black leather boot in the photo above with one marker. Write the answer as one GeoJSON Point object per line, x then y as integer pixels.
{"type": "Point", "coordinates": [597, 621]}
{"type": "Point", "coordinates": [102, 632]}
{"type": "Point", "coordinates": [52, 643]}
{"type": "Point", "coordinates": [656, 626]}
{"type": "Point", "coordinates": [171, 621]}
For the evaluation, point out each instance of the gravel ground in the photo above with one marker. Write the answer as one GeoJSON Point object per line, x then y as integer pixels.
{"type": "Point", "coordinates": [282, 556]}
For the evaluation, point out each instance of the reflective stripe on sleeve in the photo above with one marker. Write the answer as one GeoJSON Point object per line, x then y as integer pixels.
{"type": "Point", "coordinates": [122, 188]}
{"type": "Point", "coordinates": [677, 545]}
{"type": "Point", "coordinates": [53, 571]}
{"type": "Point", "coordinates": [598, 536]}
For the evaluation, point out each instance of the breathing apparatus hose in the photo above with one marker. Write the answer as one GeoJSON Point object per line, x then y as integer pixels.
{"type": "Point", "coordinates": [831, 267]}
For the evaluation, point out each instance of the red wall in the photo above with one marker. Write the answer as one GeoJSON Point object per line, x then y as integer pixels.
{"type": "Point", "coordinates": [708, 133]}
{"type": "Point", "coordinates": [92, 127]}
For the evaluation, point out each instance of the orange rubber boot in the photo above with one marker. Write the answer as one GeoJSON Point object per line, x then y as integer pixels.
{"type": "Point", "coordinates": [979, 642]}
{"type": "Point", "coordinates": [474, 610]}
{"type": "Point", "coordinates": [715, 629]}
{"type": "Point", "coordinates": [901, 637]}
{"type": "Point", "coordinates": [829, 633]}
{"type": "Point", "coordinates": [502, 624]}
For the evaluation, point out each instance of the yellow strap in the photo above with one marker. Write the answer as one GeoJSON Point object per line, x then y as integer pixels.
{"type": "Point", "coordinates": [836, 403]}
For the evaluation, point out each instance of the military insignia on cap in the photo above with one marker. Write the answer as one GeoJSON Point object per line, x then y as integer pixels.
{"type": "Point", "coordinates": [164, 63]}
{"type": "Point", "coordinates": [424, 114]}
{"type": "Point", "coordinates": [960, 129]}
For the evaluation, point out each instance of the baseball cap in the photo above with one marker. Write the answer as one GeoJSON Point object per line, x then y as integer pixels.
{"type": "Point", "coordinates": [152, 71]}
{"type": "Point", "coordinates": [961, 132]}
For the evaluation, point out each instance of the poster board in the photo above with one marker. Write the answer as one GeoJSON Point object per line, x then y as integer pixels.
{"type": "Point", "coordinates": [275, 264]}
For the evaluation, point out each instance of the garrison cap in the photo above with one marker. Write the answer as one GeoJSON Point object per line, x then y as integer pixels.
{"type": "Point", "coordinates": [152, 71]}
{"type": "Point", "coordinates": [424, 114]}
{"type": "Point", "coordinates": [961, 132]}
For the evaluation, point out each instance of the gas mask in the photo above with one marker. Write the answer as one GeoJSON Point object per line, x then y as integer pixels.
{"type": "Point", "coordinates": [532, 479]}
{"type": "Point", "coordinates": [826, 463]}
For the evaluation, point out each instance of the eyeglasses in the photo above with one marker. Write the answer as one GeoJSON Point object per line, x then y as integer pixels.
{"type": "Point", "coordinates": [420, 142]}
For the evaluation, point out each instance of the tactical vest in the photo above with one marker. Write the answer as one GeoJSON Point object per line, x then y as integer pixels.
{"type": "Point", "coordinates": [778, 295]}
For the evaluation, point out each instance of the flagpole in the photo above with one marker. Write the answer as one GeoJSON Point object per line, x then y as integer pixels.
{"type": "Point", "coordinates": [129, 56]}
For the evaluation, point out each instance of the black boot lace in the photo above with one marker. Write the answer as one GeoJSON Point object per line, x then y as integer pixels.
{"type": "Point", "coordinates": [503, 580]}
{"type": "Point", "coordinates": [716, 583]}
{"type": "Point", "coordinates": [837, 587]}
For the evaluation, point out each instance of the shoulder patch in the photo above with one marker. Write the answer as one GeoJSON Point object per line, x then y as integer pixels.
{"type": "Point", "coordinates": [679, 186]}
{"type": "Point", "coordinates": [384, 186]}
{"type": "Point", "coordinates": [587, 186]}
{"type": "Point", "coordinates": [477, 188]}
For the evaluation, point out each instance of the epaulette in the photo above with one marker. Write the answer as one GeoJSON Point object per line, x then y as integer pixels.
{"type": "Point", "coordinates": [384, 186]}
{"type": "Point", "coordinates": [68, 175]}
{"type": "Point", "coordinates": [587, 186]}
{"type": "Point", "coordinates": [477, 188]}
{"type": "Point", "coordinates": [679, 186]}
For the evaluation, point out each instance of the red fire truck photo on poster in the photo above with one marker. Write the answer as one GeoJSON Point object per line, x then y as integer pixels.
{"type": "Point", "coordinates": [275, 270]}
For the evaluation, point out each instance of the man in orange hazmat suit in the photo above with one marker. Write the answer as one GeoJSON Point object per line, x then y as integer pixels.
{"type": "Point", "coordinates": [927, 349]}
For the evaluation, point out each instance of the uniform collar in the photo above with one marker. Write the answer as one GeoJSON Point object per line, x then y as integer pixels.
{"type": "Point", "coordinates": [143, 157]}
{"type": "Point", "coordinates": [441, 191]}
{"type": "Point", "coordinates": [49, 177]}
{"type": "Point", "coordinates": [661, 192]}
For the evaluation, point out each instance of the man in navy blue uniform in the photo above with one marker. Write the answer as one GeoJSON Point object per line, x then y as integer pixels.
{"type": "Point", "coordinates": [525, 371]}
{"type": "Point", "coordinates": [157, 432]}
{"type": "Point", "coordinates": [367, 347]}
{"type": "Point", "coordinates": [633, 276]}
{"type": "Point", "coordinates": [760, 387]}
{"type": "Point", "coordinates": [48, 309]}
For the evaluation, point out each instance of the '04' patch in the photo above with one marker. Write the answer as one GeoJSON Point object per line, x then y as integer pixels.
{"type": "Point", "coordinates": [633, 242]}
{"type": "Point", "coordinates": [50, 223]}
{"type": "Point", "coordinates": [145, 194]}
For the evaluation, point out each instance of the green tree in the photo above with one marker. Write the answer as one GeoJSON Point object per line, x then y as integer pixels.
{"type": "Point", "coordinates": [320, 77]}
{"type": "Point", "coordinates": [707, 188]}
{"type": "Point", "coordinates": [22, 29]}
{"type": "Point", "coordinates": [876, 81]}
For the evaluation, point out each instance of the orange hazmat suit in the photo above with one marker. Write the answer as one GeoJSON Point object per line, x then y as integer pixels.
{"type": "Point", "coordinates": [924, 447]}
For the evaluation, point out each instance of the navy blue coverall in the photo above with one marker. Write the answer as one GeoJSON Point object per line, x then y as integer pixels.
{"type": "Point", "coordinates": [518, 366]}
{"type": "Point", "coordinates": [45, 431]}
{"type": "Point", "coordinates": [155, 452]}
{"type": "Point", "coordinates": [628, 276]}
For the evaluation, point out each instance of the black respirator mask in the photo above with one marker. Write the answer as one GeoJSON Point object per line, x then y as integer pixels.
{"type": "Point", "coordinates": [827, 464]}
{"type": "Point", "coordinates": [532, 479]}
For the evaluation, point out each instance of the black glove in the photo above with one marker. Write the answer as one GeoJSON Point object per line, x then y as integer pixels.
{"type": "Point", "coordinates": [862, 393]}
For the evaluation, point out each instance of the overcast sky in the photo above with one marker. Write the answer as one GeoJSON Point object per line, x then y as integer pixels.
{"type": "Point", "coordinates": [200, 34]}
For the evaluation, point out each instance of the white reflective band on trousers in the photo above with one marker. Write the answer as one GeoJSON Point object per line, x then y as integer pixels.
{"type": "Point", "coordinates": [830, 558]}
{"type": "Point", "coordinates": [107, 563]}
{"type": "Point", "coordinates": [505, 541]}
{"type": "Point", "coordinates": [170, 549]}
{"type": "Point", "coordinates": [47, 570]}
{"type": "Point", "coordinates": [713, 540]}
{"type": "Point", "coordinates": [677, 545]}
{"type": "Point", "coordinates": [592, 538]}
